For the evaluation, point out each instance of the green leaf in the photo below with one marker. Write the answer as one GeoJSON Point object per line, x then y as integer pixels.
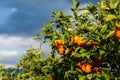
{"type": "Point", "coordinates": [81, 77]}
{"type": "Point", "coordinates": [23, 75]}
{"type": "Point", "coordinates": [111, 5]}
{"type": "Point", "coordinates": [102, 52]}
{"type": "Point", "coordinates": [97, 75]}
{"type": "Point", "coordinates": [75, 3]}
{"type": "Point", "coordinates": [58, 15]}
{"type": "Point", "coordinates": [71, 72]}
{"type": "Point", "coordinates": [67, 51]}
{"type": "Point", "coordinates": [66, 75]}
{"type": "Point", "coordinates": [106, 75]}
{"type": "Point", "coordinates": [104, 28]}
{"type": "Point", "coordinates": [82, 50]}
{"type": "Point", "coordinates": [89, 76]}
{"type": "Point", "coordinates": [116, 5]}
{"type": "Point", "coordinates": [71, 20]}
{"type": "Point", "coordinates": [46, 28]}
{"type": "Point", "coordinates": [36, 59]}
{"type": "Point", "coordinates": [68, 28]}
{"type": "Point", "coordinates": [18, 76]}
{"type": "Point", "coordinates": [91, 8]}
{"type": "Point", "coordinates": [45, 69]}
{"type": "Point", "coordinates": [85, 54]}
{"type": "Point", "coordinates": [111, 33]}
{"type": "Point", "coordinates": [79, 70]}
{"type": "Point", "coordinates": [60, 35]}
{"type": "Point", "coordinates": [109, 17]}
{"type": "Point", "coordinates": [103, 5]}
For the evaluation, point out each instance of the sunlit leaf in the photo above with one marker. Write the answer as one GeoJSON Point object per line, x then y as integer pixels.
{"type": "Point", "coordinates": [46, 69]}
{"type": "Point", "coordinates": [111, 33]}
{"type": "Point", "coordinates": [46, 28]}
{"type": "Point", "coordinates": [75, 3]}
{"type": "Point", "coordinates": [114, 5]}
{"type": "Point", "coordinates": [89, 76]}
{"type": "Point", "coordinates": [109, 17]}
{"type": "Point", "coordinates": [103, 29]}
{"type": "Point", "coordinates": [102, 52]}
{"type": "Point", "coordinates": [81, 77]}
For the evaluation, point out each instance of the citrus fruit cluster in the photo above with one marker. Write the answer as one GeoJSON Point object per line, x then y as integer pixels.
{"type": "Point", "coordinates": [60, 47]}
{"type": "Point", "coordinates": [93, 65]}
{"type": "Point", "coordinates": [78, 40]}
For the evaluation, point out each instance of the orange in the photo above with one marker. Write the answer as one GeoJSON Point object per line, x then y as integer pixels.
{"type": "Point", "coordinates": [75, 39]}
{"type": "Point", "coordinates": [117, 34]}
{"type": "Point", "coordinates": [81, 42]}
{"type": "Point", "coordinates": [59, 43]}
{"type": "Point", "coordinates": [61, 50]}
{"type": "Point", "coordinates": [78, 40]}
{"type": "Point", "coordinates": [86, 68]}
{"type": "Point", "coordinates": [79, 64]}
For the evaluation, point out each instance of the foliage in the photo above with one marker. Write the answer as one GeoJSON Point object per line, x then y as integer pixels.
{"type": "Point", "coordinates": [94, 23]}
{"type": "Point", "coordinates": [84, 46]}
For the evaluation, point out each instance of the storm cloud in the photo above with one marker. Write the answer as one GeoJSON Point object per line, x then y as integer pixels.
{"type": "Point", "coordinates": [29, 16]}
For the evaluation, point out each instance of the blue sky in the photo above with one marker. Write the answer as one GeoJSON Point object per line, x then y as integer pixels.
{"type": "Point", "coordinates": [20, 20]}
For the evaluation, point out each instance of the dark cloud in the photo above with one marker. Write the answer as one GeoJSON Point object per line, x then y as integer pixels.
{"type": "Point", "coordinates": [32, 14]}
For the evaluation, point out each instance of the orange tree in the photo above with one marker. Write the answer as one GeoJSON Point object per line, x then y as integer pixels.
{"type": "Point", "coordinates": [84, 45]}
{"type": "Point", "coordinates": [87, 42]}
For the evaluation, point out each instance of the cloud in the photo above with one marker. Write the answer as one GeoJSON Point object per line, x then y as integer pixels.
{"type": "Point", "coordinates": [13, 9]}
{"type": "Point", "coordinates": [8, 54]}
{"type": "Point", "coordinates": [13, 47]}
{"type": "Point", "coordinates": [15, 41]}
{"type": "Point", "coordinates": [8, 57]}
{"type": "Point", "coordinates": [29, 16]}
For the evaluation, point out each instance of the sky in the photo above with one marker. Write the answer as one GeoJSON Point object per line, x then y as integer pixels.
{"type": "Point", "coordinates": [20, 20]}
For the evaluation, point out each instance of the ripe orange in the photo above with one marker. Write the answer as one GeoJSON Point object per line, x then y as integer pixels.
{"type": "Point", "coordinates": [86, 68]}
{"type": "Point", "coordinates": [61, 50]}
{"type": "Point", "coordinates": [59, 43]}
{"type": "Point", "coordinates": [81, 42]}
{"type": "Point", "coordinates": [78, 40]}
{"type": "Point", "coordinates": [75, 39]}
{"type": "Point", "coordinates": [117, 34]}
{"type": "Point", "coordinates": [79, 64]}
